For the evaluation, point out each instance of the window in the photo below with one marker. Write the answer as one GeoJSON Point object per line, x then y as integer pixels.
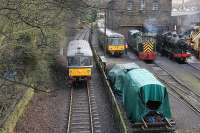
{"type": "Point", "coordinates": [129, 5]}
{"type": "Point", "coordinates": [79, 61]}
{"type": "Point", "coordinates": [156, 4]}
{"type": "Point", "coordinates": [142, 4]}
{"type": "Point", "coordinates": [116, 41]}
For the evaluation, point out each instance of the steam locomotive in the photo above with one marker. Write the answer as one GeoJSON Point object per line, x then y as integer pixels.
{"type": "Point", "coordinates": [170, 44]}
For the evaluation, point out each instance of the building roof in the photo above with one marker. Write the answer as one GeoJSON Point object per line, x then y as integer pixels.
{"type": "Point", "coordinates": [79, 47]}
{"type": "Point", "coordinates": [184, 13]}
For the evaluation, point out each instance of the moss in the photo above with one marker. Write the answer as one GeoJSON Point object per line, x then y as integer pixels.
{"type": "Point", "coordinates": [11, 121]}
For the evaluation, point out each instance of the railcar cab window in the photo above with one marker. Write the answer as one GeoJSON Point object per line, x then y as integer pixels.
{"type": "Point", "coordinates": [116, 41]}
{"type": "Point", "coordinates": [79, 61]}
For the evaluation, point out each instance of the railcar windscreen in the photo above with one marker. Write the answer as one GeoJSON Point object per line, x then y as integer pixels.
{"type": "Point", "coordinates": [79, 61]}
{"type": "Point", "coordinates": [116, 41]}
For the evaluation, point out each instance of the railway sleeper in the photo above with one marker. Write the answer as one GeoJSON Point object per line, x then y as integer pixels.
{"type": "Point", "coordinates": [80, 123]}
{"type": "Point", "coordinates": [96, 118]}
{"type": "Point", "coordinates": [80, 114]}
{"type": "Point", "coordinates": [96, 123]}
{"type": "Point", "coordinates": [95, 113]}
{"type": "Point", "coordinates": [80, 117]}
{"type": "Point", "coordinates": [94, 107]}
{"type": "Point", "coordinates": [78, 108]}
{"type": "Point", "coordinates": [80, 111]}
{"type": "Point", "coordinates": [81, 100]}
{"type": "Point", "coordinates": [97, 126]}
{"type": "Point", "coordinates": [81, 132]}
{"type": "Point", "coordinates": [81, 127]}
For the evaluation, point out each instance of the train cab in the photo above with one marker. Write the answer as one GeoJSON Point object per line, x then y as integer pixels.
{"type": "Point", "coordinates": [79, 60]}
{"type": "Point", "coordinates": [113, 43]}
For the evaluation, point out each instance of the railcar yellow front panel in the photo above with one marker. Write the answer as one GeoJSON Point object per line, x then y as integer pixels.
{"type": "Point", "coordinates": [115, 47]}
{"type": "Point", "coordinates": [78, 72]}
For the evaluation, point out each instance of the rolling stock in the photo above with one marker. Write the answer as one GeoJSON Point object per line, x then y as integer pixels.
{"type": "Point", "coordinates": [113, 43]}
{"type": "Point", "coordinates": [143, 44]}
{"type": "Point", "coordinates": [172, 46]}
{"type": "Point", "coordinates": [144, 98]}
{"type": "Point", "coordinates": [79, 61]}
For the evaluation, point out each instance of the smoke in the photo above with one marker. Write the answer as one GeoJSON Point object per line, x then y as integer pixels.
{"type": "Point", "coordinates": [188, 22]}
{"type": "Point", "coordinates": [150, 25]}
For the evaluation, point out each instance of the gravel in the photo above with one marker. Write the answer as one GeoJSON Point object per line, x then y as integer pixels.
{"type": "Point", "coordinates": [183, 74]}
{"type": "Point", "coordinates": [47, 113]}
{"type": "Point", "coordinates": [108, 124]}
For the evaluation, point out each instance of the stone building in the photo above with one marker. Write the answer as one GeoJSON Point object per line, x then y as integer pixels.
{"type": "Point", "coordinates": [151, 15]}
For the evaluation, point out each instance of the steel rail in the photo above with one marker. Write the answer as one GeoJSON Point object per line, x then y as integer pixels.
{"type": "Point", "coordinates": [80, 107]}
{"type": "Point", "coordinates": [197, 68]}
{"type": "Point", "coordinates": [90, 109]}
{"type": "Point", "coordinates": [82, 104]}
{"type": "Point", "coordinates": [188, 95]}
{"type": "Point", "coordinates": [70, 111]}
{"type": "Point", "coordinates": [194, 66]}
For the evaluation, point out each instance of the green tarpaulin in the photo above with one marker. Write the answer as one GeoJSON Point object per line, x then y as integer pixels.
{"type": "Point", "coordinates": [141, 86]}
{"type": "Point", "coordinates": [138, 86]}
{"type": "Point", "coordinates": [117, 75]}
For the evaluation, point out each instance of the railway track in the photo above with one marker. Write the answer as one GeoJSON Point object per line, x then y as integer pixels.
{"type": "Point", "coordinates": [83, 115]}
{"type": "Point", "coordinates": [194, 69]}
{"type": "Point", "coordinates": [184, 93]}
{"type": "Point", "coordinates": [83, 34]}
{"type": "Point", "coordinates": [196, 66]}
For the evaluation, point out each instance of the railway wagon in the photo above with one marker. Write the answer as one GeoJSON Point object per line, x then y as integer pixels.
{"type": "Point", "coordinates": [144, 44]}
{"type": "Point", "coordinates": [113, 43]}
{"type": "Point", "coordinates": [79, 61]}
{"type": "Point", "coordinates": [144, 98]}
{"type": "Point", "coordinates": [172, 46]}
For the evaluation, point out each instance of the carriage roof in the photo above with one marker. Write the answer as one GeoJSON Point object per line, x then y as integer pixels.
{"type": "Point", "coordinates": [133, 31]}
{"type": "Point", "coordinates": [79, 47]}
{"type": "Point", "coordinates": [110, 33]}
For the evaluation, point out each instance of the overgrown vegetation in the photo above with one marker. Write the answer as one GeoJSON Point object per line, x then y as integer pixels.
{"type": "Point", "coordinates": [30, 37]}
